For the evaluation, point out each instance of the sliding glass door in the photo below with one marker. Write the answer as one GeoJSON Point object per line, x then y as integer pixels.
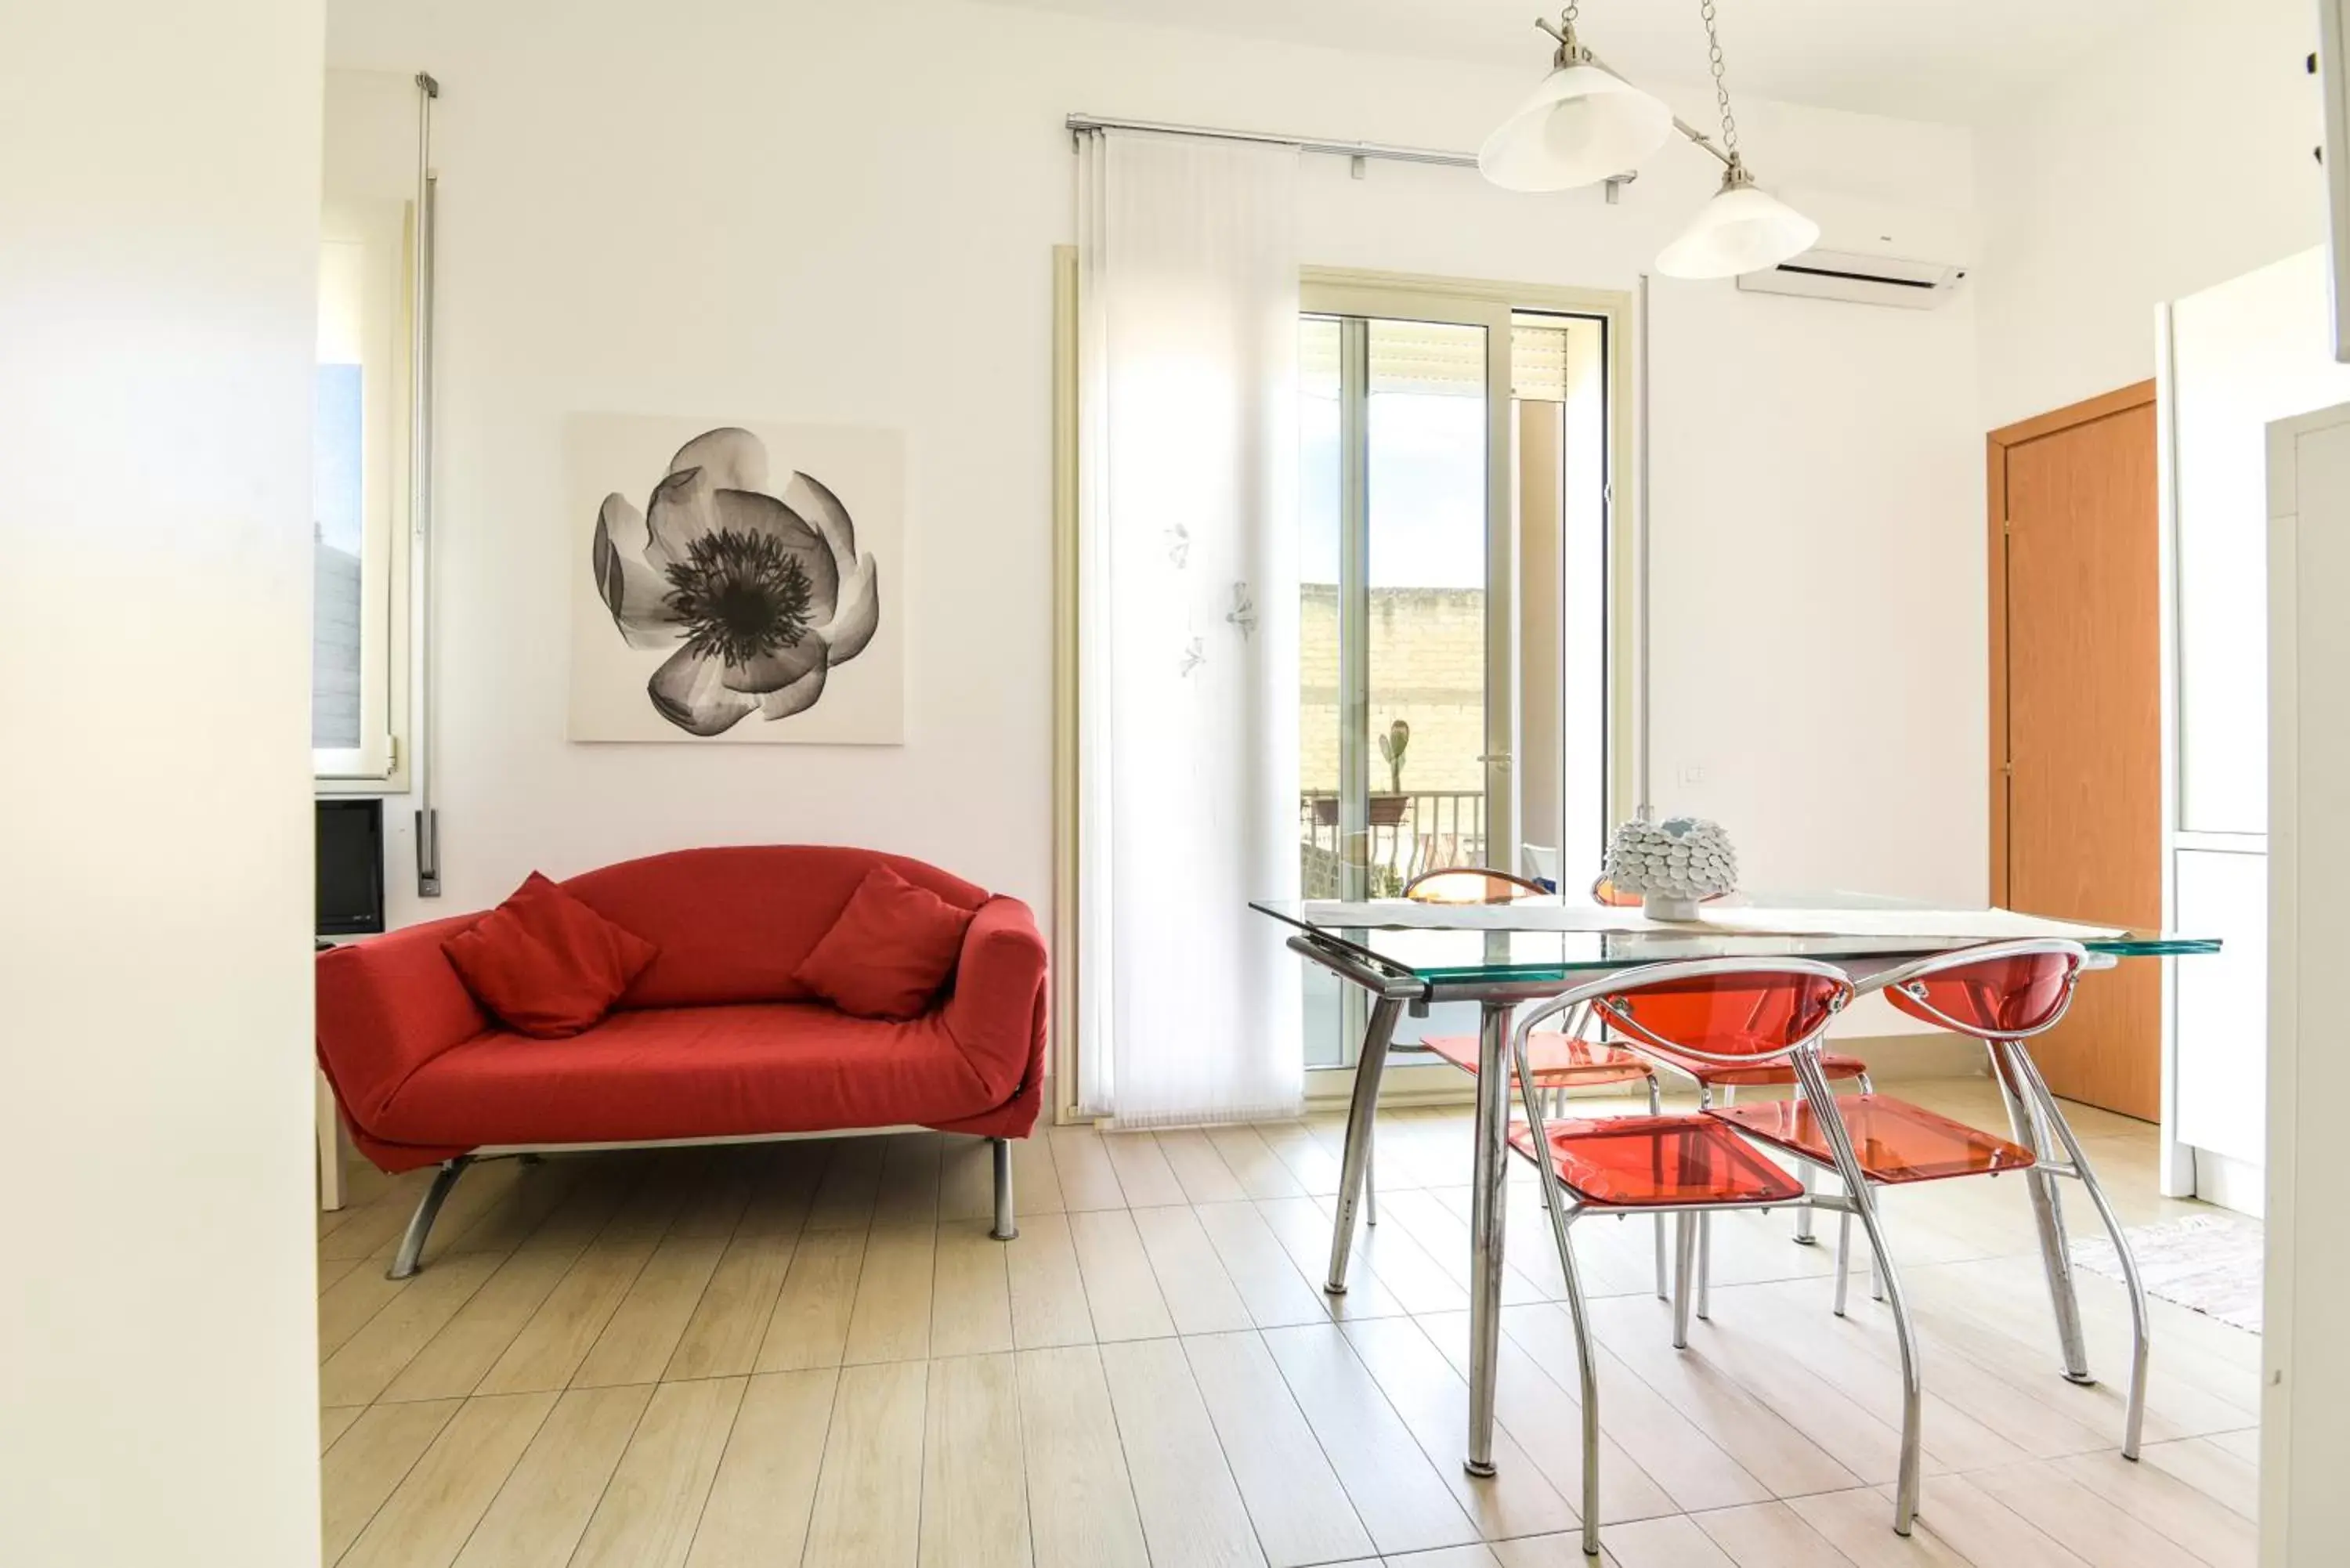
{"type": "Point", "coordinates": [1406, 683]}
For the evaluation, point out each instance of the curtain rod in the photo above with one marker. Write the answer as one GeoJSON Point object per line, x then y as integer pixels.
{"type": "Point", "coordinates": [1079, 124]}
{"type": "Point", "coordinates": [1084, 122]}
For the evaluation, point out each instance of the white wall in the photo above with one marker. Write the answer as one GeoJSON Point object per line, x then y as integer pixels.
{"type": "Point", "coordinates": [2305, 1361]}
{"type": "Point", "coordinates": [2176, 158]}
{"type": "Point", "coordinates": [158, 169]}
{"type": "Point", "coordinates": [807, 213]}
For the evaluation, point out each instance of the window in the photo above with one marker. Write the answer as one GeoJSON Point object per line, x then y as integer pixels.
{"type": "Point", "coordinates": [359, 467]}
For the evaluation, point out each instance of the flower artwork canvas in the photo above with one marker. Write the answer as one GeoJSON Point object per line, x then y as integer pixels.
{"type": "Point", "coordinates": [735, 582]}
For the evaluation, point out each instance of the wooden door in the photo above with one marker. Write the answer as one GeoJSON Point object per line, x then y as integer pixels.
{"type": "Point", "coordinates": [2076, 732]}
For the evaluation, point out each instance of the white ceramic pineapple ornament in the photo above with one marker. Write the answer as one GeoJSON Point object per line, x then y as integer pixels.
{"type": "Point", "coordinates": [1674, 865]}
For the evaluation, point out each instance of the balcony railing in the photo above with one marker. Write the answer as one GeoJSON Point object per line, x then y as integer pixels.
{"type": "Point", "coordinates": [1416, 831]}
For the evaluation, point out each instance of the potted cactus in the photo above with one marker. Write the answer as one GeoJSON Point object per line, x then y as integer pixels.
{"type": "Point", "coordinates": [1387, 810]}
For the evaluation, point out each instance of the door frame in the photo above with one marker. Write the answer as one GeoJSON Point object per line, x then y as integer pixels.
{"type": "Point", "coordinates": [1995, 448]}
{"type": "Point", "coordinates": [2174, 1163]}
{"type": "Point", "coordinates": [1353, 302]}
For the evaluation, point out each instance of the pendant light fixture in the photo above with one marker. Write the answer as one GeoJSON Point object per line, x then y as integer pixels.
{"type": "Point", "coordinates": [1583, 124]}
{"type": "Point", "coordinates": [1744, 228]}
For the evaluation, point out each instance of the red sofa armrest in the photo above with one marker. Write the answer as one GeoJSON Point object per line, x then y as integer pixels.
{"type": "Point", "coordinates": [994, 1013]}
{"type": "Point", "coordinates": [386, 1007]}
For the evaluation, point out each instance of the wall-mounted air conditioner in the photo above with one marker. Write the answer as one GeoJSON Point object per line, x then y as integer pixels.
{"type": "Point", "coordinates": [1871, 254]}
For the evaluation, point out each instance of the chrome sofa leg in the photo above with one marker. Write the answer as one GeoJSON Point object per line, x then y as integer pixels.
{"type": "Point", "coordinates": [405, 1262]}
{"type": "Point", "coordinates": [1006, 1227]}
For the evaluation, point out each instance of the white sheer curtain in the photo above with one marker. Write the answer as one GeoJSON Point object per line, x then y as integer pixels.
{"type": "Point", "coordinates": [1188, 1003]}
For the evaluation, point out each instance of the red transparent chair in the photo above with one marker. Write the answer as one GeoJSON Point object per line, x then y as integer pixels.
{"type": "Point", "coordinates": [1726, 1079]}
{"type": "Point", "coordinates": [1720, 1010]}
{"type": "Point", "coordinates": [1562, 1062]}
{"type": "Point", "coordinates": [1471, 885]}
{"type": "Point", "coordinates": [2000, 993]}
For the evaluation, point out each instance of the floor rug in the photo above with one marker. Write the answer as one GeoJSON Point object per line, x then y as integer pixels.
{"type": "Point", "coordinates": [2211, 1263]}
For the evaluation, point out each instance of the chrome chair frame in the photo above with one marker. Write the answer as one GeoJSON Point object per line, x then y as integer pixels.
{"type": "Point", "coordinates": [1804, 1236]}
{"type": "Point", "coordinates": [1812, 1084]}
{"type": "Point", "coordinates": [2035, 1122]}
{"type": "Point", "coordinates": [1558, 1096]}
{"type": "Point", "coordinates": [1370, 1130]}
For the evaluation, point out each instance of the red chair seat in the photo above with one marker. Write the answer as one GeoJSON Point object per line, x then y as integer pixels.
{"type": "Point", "coordinates": [1897, 1142]}
{"type": "Point", "coordinates": [1632, 1162]}
{"type": "Point", "coordinates": [1558, 1062]}
{"type": "Point", "coordinates": [1750, 1075]}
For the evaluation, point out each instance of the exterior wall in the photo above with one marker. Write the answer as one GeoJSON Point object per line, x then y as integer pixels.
{"type": "Point", "coordinates": [1427, 668]}
{"type": "Point", "coordinates": [335, 648]}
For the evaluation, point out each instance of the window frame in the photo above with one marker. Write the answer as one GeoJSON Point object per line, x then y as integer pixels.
{"type": "Point", "coordinates": [385, 231]}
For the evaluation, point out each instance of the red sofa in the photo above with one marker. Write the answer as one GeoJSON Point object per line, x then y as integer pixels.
{"type": "Point", "coordinates": [713, 1040]}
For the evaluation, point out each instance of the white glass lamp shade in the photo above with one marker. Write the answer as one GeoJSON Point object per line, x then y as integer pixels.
{"type": "Point", "coordinates": [1581, 125]}
{"type": "Point", "coordinates": [1743, 229]}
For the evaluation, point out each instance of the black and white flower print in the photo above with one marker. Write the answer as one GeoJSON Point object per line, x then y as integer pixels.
{"type": "Point", "coordinates": [761, 594]}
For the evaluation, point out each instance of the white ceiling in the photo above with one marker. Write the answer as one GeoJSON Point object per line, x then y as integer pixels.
{"type": "Point", "coordinates": [1948, 60]}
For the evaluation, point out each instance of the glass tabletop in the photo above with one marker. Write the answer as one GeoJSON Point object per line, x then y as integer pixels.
{"type": "Point", "coordinates": [1489, 951]}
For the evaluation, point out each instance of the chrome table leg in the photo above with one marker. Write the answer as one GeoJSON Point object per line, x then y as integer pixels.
{"type": "Point", "coordinates": [1487, 1212]}
{"type": "Point", "coordinates": [1359, 1115]}
{"type": "Point", "coordinates": [1843, 1261]}
{"type": "Point", "coordinates": [2023, 1119]}
{"type": "Point", "coordinates": [1684, 1274]}
{"type": "Point", "coordinates": [1705, 1267]}
{"type": "Point", "coordinates": [2134, 1426]}
{"type": "Point", "coordinates": [1657, 1108]}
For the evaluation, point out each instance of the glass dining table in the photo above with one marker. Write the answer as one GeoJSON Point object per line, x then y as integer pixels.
{"type": "Point", "coordinates": [1409, 956]}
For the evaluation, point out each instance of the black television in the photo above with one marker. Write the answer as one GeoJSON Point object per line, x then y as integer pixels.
{"type": "Point", "coordinates": [350, 867]}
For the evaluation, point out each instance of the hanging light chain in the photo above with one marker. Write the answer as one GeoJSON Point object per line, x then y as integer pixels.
{"type": "Point", "coordinates": [1721, 89]}
{"type": "Point", "coordinates": [1568, 15]}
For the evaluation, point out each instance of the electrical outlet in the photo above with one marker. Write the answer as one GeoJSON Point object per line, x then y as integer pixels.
{"type": "Point", "coordinates": [1692, 774]}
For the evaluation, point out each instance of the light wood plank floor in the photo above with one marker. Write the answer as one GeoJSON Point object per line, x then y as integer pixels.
{"type": "Point", "coordinates": [813, 1353]}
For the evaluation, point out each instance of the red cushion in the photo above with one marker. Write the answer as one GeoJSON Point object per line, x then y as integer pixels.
{"type": "Point", "coordinates": [689, 1072]}
{"type": "Point", "coordinates": [545, 963]}
{"type": "Point", "coordinates": [889, 951]}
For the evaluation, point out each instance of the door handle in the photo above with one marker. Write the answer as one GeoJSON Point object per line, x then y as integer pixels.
{"type": "Point", "coordinates": [1496, 759]}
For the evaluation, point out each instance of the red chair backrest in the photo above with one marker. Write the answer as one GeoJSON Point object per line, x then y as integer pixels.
{"type": "Point", "coordinates": [1744, 1012]}
{"type": "Point", "coordinates": [1995, 998]}
{"type": "Point", "coordinates": [1471, 885]}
